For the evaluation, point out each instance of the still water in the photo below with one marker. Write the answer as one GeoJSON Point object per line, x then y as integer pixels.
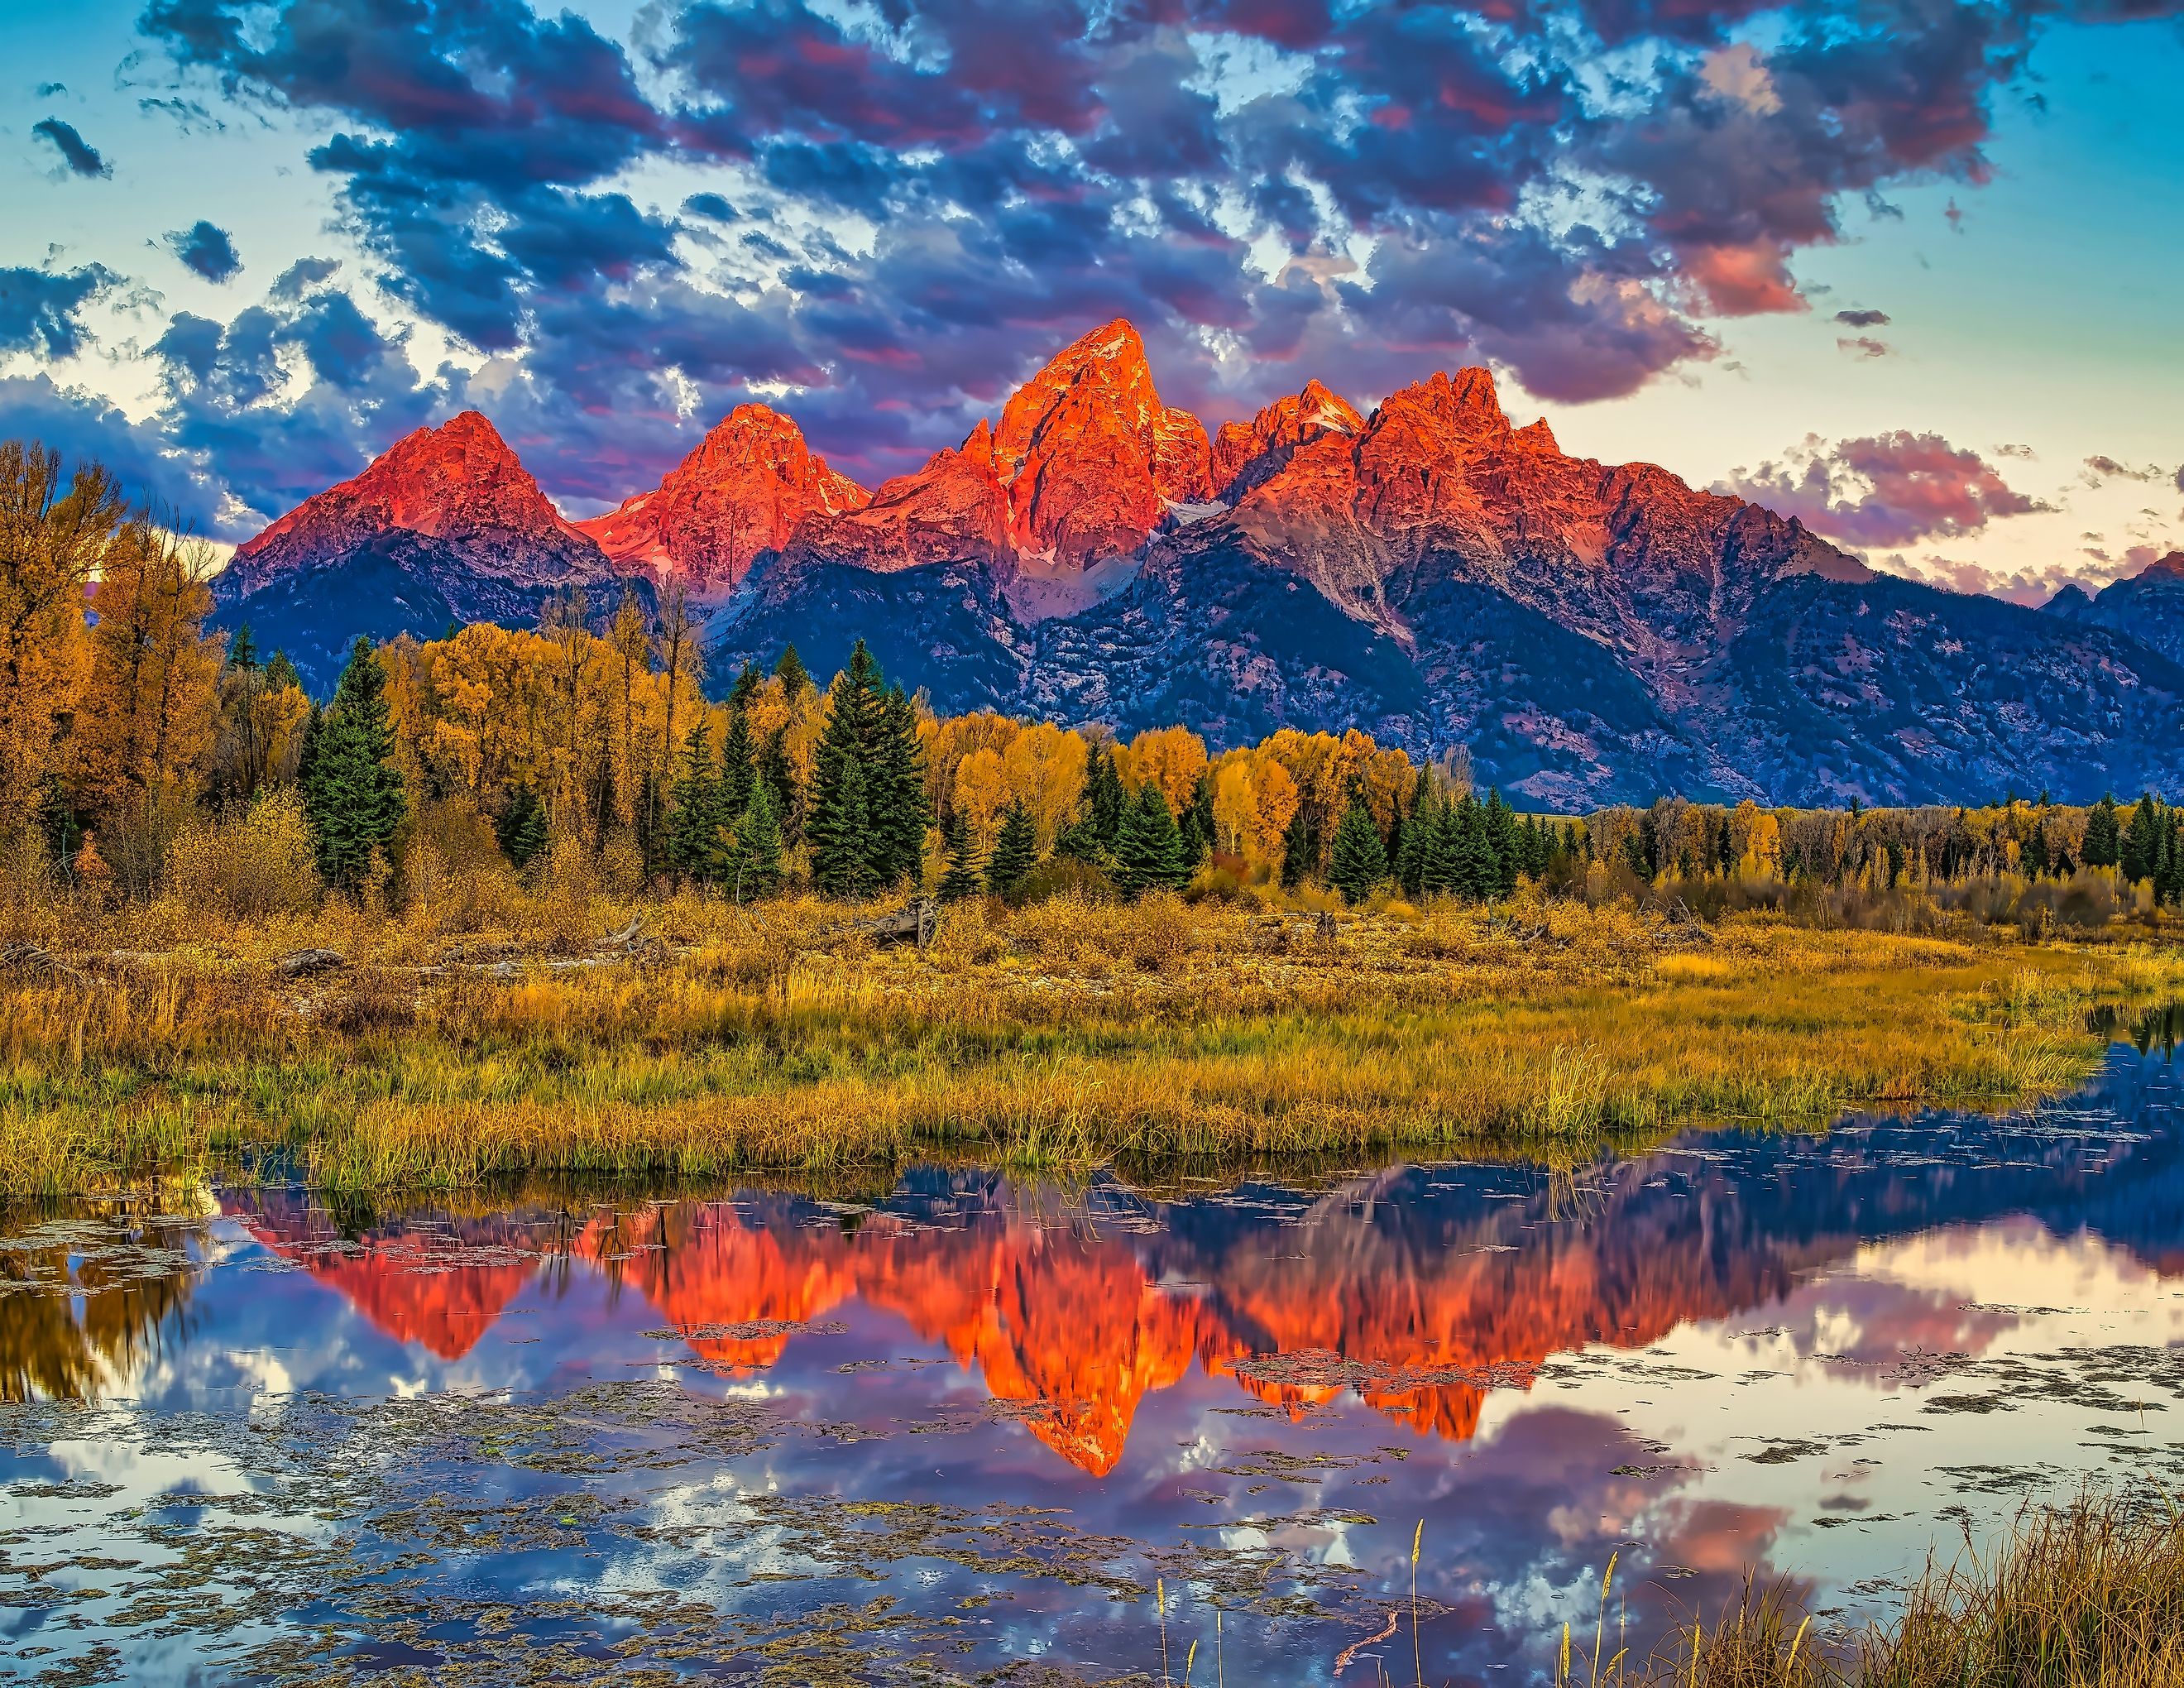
{"type": "Point", "coordinates": [965, 1428]}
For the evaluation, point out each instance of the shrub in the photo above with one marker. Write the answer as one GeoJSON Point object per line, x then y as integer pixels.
{"type": "Point", "coordinates": [254, 867]}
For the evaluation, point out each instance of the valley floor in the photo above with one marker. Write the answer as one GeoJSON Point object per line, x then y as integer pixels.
{"type": "Point", "coordinates": [453, 1043]}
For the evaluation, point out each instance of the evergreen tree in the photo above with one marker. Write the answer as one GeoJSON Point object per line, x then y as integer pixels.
{"type": "Point", "coordinates": [2104, 834]}
{"type": "Point", "coordinates": [694, 813]}
{"type": "Point", "coordinates": [753, 858]}
{"type": "Point", "coordinates": [1091, 836]}
{"type": "Point", "coordinates": [2139, 837]}
{"type": "Point", "coordinates": [1360, 860]}
{"type": "Point", "coordinates": [1148, 848]}
{"type": "Point", "coordinates": [1015, 850]}
{"type": "Point", "coordinates": [1415, 844]}
{"type": "Point", "coordinates": [840, 829]}
{"type": "Point", "coordinates": [1500, 822]}
{"type": "Point", "coordinates": [1296, 851]}
{"type": "Point", "coordinates": [1474, 872]}
{"type": "Point", "coordinates": [521, 827]}
{"type": "Point", "coordinates": [353, 797]}
{"type": "Point", "coordinates": [279, 672]}
{"type": "Point", "coordinates": [738, 763]}
{"type": "Point", "coordinates": [1198, 825]}
{"type": "Point", "coordinates": [894, 795]}
{"type": "Point", "coordinates": [961, 879]}
{"type": "Point", "coordinates": [2169, 882]}
{"type": "Point", "coordinates": [2035, 852]}
{"type": "Point", "coordinates": [778, 774]}
{"type": "Point", "coordinates": [243, 653]}
{"type": "Point", "coordinates": [746, 688]}
{"type": "Point", "coordinates": [792, 673]}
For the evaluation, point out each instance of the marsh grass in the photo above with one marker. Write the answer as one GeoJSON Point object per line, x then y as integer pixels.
{"type": "Point", "coordinates": [2087, 1595]}
{"type": "Point", "coordinates": [1047, 1038]}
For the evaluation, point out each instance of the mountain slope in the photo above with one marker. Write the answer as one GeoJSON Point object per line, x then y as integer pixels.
{"type": "Point", "coordinates": [2148, 606]}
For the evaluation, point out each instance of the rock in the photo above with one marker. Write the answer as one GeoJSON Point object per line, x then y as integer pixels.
{"type": "Point", "coordinates": [304, 963]}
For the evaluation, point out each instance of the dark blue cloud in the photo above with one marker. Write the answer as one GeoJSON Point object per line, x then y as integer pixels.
{"type": "Point", "coordinates": [76, 152]}
{"type": "Point", "coordinates": [83, 427]}
{"type": "Point", "coordinates": [208, 249]}
{"type": "Point", "coordinates": [38, 309]}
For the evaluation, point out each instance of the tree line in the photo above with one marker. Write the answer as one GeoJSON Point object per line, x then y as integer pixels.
{"type": "Point", "coordinates": [122, 718]}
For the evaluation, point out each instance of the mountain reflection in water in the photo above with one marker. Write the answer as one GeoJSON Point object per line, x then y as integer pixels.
{"type": "Point", "coordinates": [1706, 1357]}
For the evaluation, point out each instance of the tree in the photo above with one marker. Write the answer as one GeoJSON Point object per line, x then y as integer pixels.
{"type": "Point", "coordinates": [1148, 848]}
{"type": "Point", "coordinates": [1296, 851]}
{"type": "Point", "coordinates": [1501, 824]}
{"type": "Point", "coordinates": [1473, 870]}
{"type": "Point", "coordinates": [738, 762]}
{"type": "Point", "coordinates": [2104, 834]}
{"type": "Point", "coordinates": [1093, 836]}
{"type": "Point", "coordinates": [2141, 839]}
{"type": "Point", "coordinates": [894, 787]}
{"type": "Point", "coordinates": [754, 868]}
{"type": "Point", "coordinates": [793, 675]}
{"type": "Point", "coordinates": [961, 879]}
{"type": "Point", "coordinates": [692, 831]}
{"type": "Point", "coordinates": [1360, 859]}
{"type": "Point", "coordinates": [50, 544]}
{"type": "Point", "coordinates": [1197, 825]}
{"type": "Point", "coordinates": [777, 772]}
{"type": "Point", "coordinates": [1015, 850]}
{"type": "Point", "coordinates": [845, 862]}
{"type": "Point", "coordinates": [521, 827]}
{"type": "Point", "coordinates": [353, 795]}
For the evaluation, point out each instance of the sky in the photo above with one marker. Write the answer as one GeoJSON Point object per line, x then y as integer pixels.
{"type": "Point", "coordinates": [1907, 270]}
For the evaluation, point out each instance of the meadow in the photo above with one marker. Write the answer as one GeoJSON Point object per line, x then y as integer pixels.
{"type": "Point", "coordinates": [497, 1024]}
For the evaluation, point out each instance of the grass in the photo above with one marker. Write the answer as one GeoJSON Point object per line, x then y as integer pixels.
{"type": "Point", "coordinates": [2087, 1595]}
{"type": "Point", "coordinates": [1052, 1037]}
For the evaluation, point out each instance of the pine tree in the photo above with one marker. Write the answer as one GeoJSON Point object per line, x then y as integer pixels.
{"type": "Point", "coordinates": [894, 795]}
{"type": "Point", "coordinates": [2168, 885]}
{"type": "Point", "coordinates": [281, 673]}
{"type": "Point", "coordinates": [792, 673]}
{"type": "Point", "coordinates": [2035, 852]}
{"type": "Point", "coordinates": [738, 765]}
{"type": "Point", "coordinates": [1015, 850]}
{"type": "Point", "coordinates": [747, 686]}
{"type": "Point", "coordinates": [1091, 836]}
{"type": "Point", "coordinates": [243, 653]}
{"type": "Point", "coordinates": [694, 812]}
{"type": "Point", "coordinates": [2104, 834]}
{"type": "Point", "coordinates": [2137, 855]}
{"type": "Point", "coordinates": [961, 879]}
{"type": "Point", "coordinates": [778, 774]}
{"type": "Point", "coordinates": [353, 797]}
{"type": "Point", "coordinates": [1148, 848]}
{"type": "Point", "coordinates": [845, 862]}
{"type": "Point", "coordinates": [521, 827]}
{"type": "Point", "coordinates": [1296, 851]}
{"type": "Point", "coordinates": [1198, 825]}
{"type": "Point", "coordinates": [1360, 860]}
{"type": "Point", "coordinates": [1501, 823]}
{"type": "Point", "coordinates": [754, 855]}
{"type": "Point", "coordinates": [1416, 843]}
{"type": "Point", "coordinates": [1473, 872]}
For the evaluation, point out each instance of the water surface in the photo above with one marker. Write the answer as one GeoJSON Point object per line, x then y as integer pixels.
{"type": "Point", "coordinates": [965, 1429]}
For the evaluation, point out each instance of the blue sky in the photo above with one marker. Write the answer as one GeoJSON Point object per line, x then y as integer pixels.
{"type": "Point", "coordinates": [606, 227]}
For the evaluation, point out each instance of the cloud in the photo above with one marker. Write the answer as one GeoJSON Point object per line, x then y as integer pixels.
{"type": "Point", "coordinates": [2101, 467]}
{"type": "Point", "coordinates": [206, 249]}
{"type": "Point", "coordinates": [38, 309]}
{"type": "Point", "coordinates": [1863, 319]}
{"type": "Point", "coordinates": [1863, 346]}
{"type": "Point", "coordinates": [76, 152]}
{"type": "Point", "coordinates": [1886, 490]}
{"type": "Point", "coordinates": [2180, 478]}
{"type": "Point", "coordinates": [84, 427]}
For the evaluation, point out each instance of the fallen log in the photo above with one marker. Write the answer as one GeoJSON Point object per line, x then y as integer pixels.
{"type": "Point", "coordinates": [302, 963]}
{"type": "Point", "coordinates": [916, 924]}
{"type": "Point", "coordinates": [29, 958]}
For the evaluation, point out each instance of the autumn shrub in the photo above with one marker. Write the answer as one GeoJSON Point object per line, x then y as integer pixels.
{"type": "Point", "coordinates": [1064, 877]}
{"type": "Point", "coordinates": [254, 867]}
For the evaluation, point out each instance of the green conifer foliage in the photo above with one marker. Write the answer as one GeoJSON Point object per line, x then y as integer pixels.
{"type": "Point", "coordinates": [1148, 847]}
{"type": "Point", "coordinates": [1296, 851]}
{"type": "Point", "coordinates": [840, 829]}
{"type": "Point", "coordinates": [353, 796]}
{"type": "Point", "coordinates": [2104, 834]}
{"type": "Point", "coordinates": [521, 827]}
{"type": "Point", "coordinates": [1015, 850]}
{"type": "Point", "coordinates": [753, 861]}
{"type": "Point", "coordinates": [738, 763]}
{"type": "Point", "coordinates": [962, 878]}
{"type": "Point", "coordinates": [694, 813]}
{"type": "Point", "coordinates": [1500, 822]}
{"type": "Point", "coordinates": [792, 673]}
{"type": "Point", "coordinates": [279, 672]}
{"type": "Point", "coordinates": [1360, 860]}
{"type": "Point", "coordinates": [2140, 836]}
{"type": "Point", "coordinates": [1198, 825]}
{"type": "Point", "coordinates": [1473, 871]}
{"type": "Point", "coordinates": [779, 774]}
{"type": "Point", "coordinates": [894, 787]}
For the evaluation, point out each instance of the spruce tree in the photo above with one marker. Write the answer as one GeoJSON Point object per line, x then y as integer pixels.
{"type": "Point", "coordinates": [747, 686]}
{"type": "Point", "coordinates": [2035, 852]}
{"type": "Point", "coordinates": [792, 673]}
{"type": "Point", "coordinates": [1015, 850]}
{"type": "Point", "coordinates": [845, 861]}
{"type": "Point", "coordinates": [1415, 844]}
{"type": "Point", "coordinates": [2169, 882]}
{"type": "Point", "coordinates": [778, 775]}
{"type": "Point", "coordinates": [521, 827]}
{"type": "Point", "coordinates": [1296, 851]}
{"type": "Point", "coordinates": [279, 672]}
{"type": "Point", "coordinates": [353, 799]}
{"type": "Point", "coordinates": [1148, 848]}
{"type": "Point", "coordinates": [1360, 860]}
{"type": "Point", "coordinates": [1091, 836]}
{"type": "Point", "coordinates": [1437, 849]}
{"type": "Point", "coordinates": [2147, 822]}
{"type": "Point", "coordinates": [961, 879]}
{"type": "Point", "coordinates": [2104, 834]}
{"type": "Point", "coordinates": [1500, 822]}
{"type": "Point", "coordinates": [1473, 872]}
{"type": "Point", "coordinates": [694, 813]}
{"type": "Point", "coordinates": [243, 653]}
{"type": "Point", "coordinates": [894, 795]}
{"type": "Point", "coordinates": [738, 762]}
{"type": "Point", "coordinates": [753, 858]}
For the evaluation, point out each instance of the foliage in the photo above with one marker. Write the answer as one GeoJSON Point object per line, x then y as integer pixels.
{"type": "Point", "coordinates": [352, 790]}
{"type": "Point", "coordinates": [1148, 854]}
{"type": "Point", "coordinates": [1361, 861]}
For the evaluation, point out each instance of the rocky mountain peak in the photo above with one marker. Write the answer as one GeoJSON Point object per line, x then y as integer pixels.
{"type": "Point", "coordinates": [1245, 454]}
{"type": "Point", "coordinates": [740, 493]}
{"type": "Point", "coordinates": [2170, 567]}
{"type": "Point", "coordinates": [1090, 457]}
{"type": "Point", "coordinates": [459, 482]}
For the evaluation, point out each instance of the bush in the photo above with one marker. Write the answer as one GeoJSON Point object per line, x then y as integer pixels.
{"type": "Point", "coordinates": [1063, 876]}
{"type": "Point", "coordinates": [254, 867]}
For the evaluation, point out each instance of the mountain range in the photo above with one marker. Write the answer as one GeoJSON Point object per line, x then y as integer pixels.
{"type": "Point", "coordinates": [1427, 573]}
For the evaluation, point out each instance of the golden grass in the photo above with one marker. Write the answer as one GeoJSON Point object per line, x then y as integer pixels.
{"type": "Point", "coordinates": [1053, 1036]}
{"type": "Point", "coordinates": [2088, 1595]}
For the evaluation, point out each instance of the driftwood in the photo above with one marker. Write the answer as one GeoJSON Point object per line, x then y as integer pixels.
{"type": "Point", "coordinates": [29, 958]}
{"type": "Point", "coordinates": [304, 962]}
{"type": "Point", "coordinates": [914, 925]}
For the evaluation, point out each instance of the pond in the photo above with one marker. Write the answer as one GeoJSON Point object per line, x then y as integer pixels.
{"type": "Point", "coordinates": [968, 1428]}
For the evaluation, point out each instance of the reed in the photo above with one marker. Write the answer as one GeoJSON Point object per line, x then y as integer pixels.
{"type": "Point", "coordinates": [1051, 1036]}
